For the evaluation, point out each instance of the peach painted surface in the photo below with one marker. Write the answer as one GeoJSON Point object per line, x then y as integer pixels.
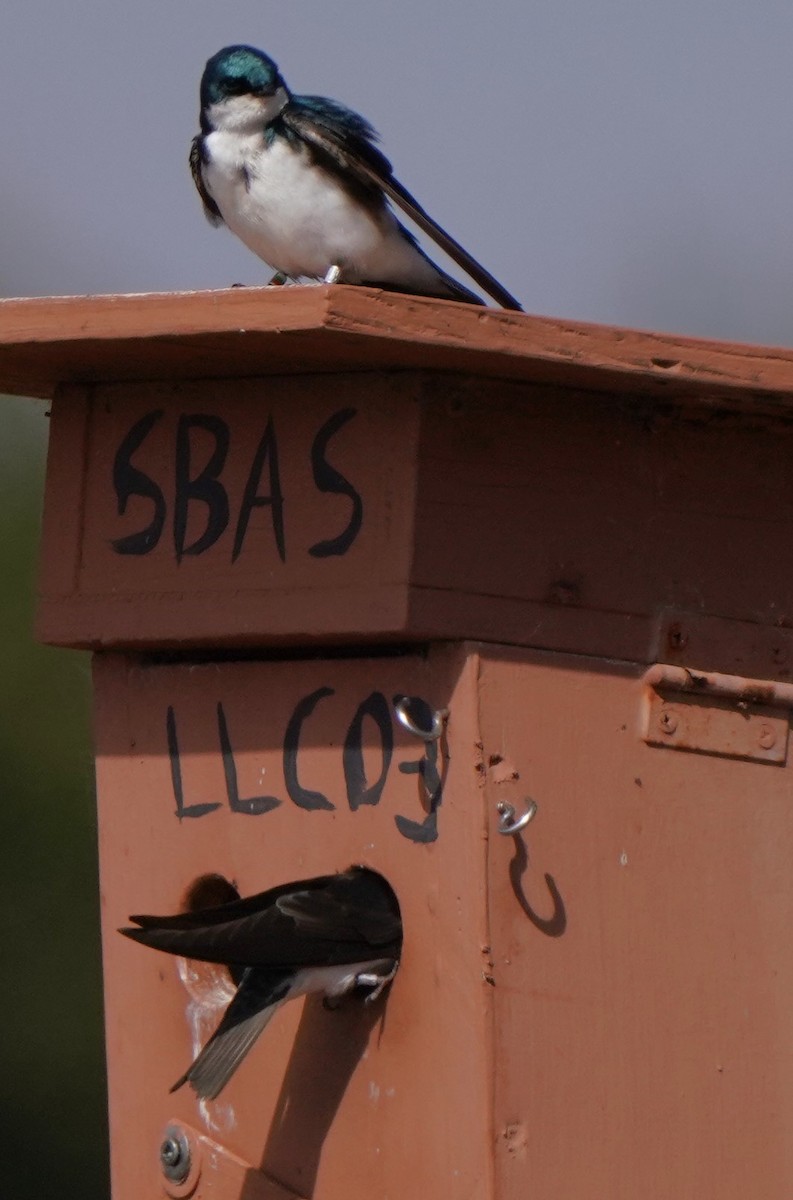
{"type": "Point", "coordinates": [596, 1009]}
{"type": "Point", "coordinates": [374, 1102]}
{"type": "Point", "coordinates": [261, 331]}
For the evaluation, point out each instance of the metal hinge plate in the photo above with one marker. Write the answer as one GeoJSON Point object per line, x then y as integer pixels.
{"type": "Point", "coordinates": [711, 713]}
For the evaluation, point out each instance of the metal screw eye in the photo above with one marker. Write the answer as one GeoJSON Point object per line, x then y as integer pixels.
{"type": "Point", "coordinates": [439, 719]}
{"type": "Point", "coordinates": [508, 823]}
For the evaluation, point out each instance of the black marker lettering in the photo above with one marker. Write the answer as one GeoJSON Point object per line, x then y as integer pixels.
{"type": "Point", "coordinates": [419, 831]}
{"type": "Point", "coordinates": [266, 451]}
{"type": "Point", "coordinates": [205, 486]}
{"type": "Point", "coordinates": [376, 707]}
{"type": "Point", "coordinates": [426, 768]}
{"type": "Point", "coordinates": [328, 479]}
{"type": "Point", "coordinates": [182, 810]}
{"type": "Point", "coordinates": [252, 805]}
{"type": "Point", "coordinates": [303, 797]}
{"type": "Point", "coordinates": [130, 481]}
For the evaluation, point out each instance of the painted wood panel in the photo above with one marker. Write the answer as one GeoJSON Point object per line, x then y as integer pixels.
{"type": "Point", "coordinates": [643, 983]}
{"type": "Point", "coordinates": [209, 512]}
{"type": "Point", "coordinates": [260, 331]}
{"type": "Point", "coordinates": [413, 508]}
{"type": "Point", "coordinates": [219, 767]}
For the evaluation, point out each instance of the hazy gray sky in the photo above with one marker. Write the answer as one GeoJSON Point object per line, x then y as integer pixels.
{"type": "Point", "coordinates": [609, 160]}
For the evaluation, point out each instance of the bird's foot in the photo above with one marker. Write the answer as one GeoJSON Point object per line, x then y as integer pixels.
{"type": "Point", "coordinates": [278, 280]}
{"type": "Point", "coordinates": [334, 274]}
{"type": "Point", "coordinates": [331, 1003]}
{"type": "Point", "coordinates": [376, 980]}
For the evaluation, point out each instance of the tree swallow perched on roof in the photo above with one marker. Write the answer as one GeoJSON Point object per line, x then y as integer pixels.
{"type": "Point", "coordinates": [301, 182]}
{"type": "Point", "coordinates": [327, 935]}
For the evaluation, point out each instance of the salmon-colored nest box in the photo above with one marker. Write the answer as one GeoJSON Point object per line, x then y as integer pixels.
{"type": "Point", "coordinates": [496, 607]}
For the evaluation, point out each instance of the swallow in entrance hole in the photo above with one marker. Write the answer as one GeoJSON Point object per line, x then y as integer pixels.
{"type": "Point", "coordinates": [328, 935]}
{"type": "Point", "coordinates": [301, 182]}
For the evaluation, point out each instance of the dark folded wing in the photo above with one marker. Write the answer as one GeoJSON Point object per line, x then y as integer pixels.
{"type": "Point", "coordinates": [346, 139]}
{"type": "Point", "coordinates": [257, 998]}
{"type": "Point", "coordinates": [196, 158]}
{"type": "Point", "coordinates": [333, 919]}
{"type": "Point", "coordinates": [220, 914]}
{"type": "Point", "coordinates": [340, 918]}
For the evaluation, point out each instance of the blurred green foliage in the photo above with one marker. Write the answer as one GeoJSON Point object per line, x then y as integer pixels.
{"type": "Point", "coordinates": [52, 1102]}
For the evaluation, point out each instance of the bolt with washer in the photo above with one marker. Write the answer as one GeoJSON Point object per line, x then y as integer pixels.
{"type": "Point", "coordinates": [175, 1155]}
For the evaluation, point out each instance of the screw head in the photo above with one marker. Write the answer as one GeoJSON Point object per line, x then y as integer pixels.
{"type": "Point", "coordinates": [766, 737]}
{"type": "Point", "coordinates": [175, 1155]}
{"type": "Point", "coordinates": [668, 721]}
{"type": "Point", "coordinates": [676, 637]}
{"type": "Point", "coordinates": [170, 1152]}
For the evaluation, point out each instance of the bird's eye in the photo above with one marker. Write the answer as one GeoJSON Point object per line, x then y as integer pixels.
{"type": "Point", "coordinates": [237, 86]}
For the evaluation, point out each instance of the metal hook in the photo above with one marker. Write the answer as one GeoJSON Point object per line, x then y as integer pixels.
{"type": "Point", "coordinates": [508, 824]}
{"type": "Point", "coordinates": [439, 719]}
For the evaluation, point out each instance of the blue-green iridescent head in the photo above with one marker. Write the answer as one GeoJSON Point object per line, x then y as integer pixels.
{"type": "Point", "coordinates": [238, 71]}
